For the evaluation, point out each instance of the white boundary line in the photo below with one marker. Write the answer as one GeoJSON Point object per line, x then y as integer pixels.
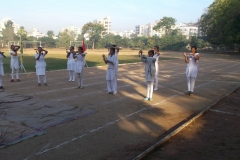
{"type": "Point", "coordinates": [223, 112]}
{"type": "Point", "coordinates": [111, 123]}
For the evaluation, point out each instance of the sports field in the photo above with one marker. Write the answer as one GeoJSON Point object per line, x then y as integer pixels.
{"type": "Point", "coordinates": [108, 126]}
{"type": "Point", "coordinates": [56, 58]}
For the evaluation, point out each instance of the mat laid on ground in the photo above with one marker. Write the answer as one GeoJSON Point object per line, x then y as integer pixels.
{"type": "Point", "coordinates": [22, 117]}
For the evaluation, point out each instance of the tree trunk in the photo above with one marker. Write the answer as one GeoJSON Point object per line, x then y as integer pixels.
{"type": "Point", "coordinates": [92, 44]}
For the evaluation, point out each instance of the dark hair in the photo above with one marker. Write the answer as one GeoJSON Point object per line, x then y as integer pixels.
{"type": "Point", "coordinates": [114, 45]}
{"type": "Point", "coordinates": [157, 47]}
{"type": "Point", "coordinates": [72, 47]}
{"type": "Point", "coordinates": [151, 51]}
{"type": "Point", "coordinates": [80, 48]}
{"type": "Point", "coordinates": [113, 49]}
{"type": "Point", "coordinates": [195, 48]}
{"type": "Point", "coordinates": [39, 47]}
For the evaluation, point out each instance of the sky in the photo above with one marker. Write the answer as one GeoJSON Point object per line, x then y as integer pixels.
{"type": "Point", "coordinates": [54, 15]}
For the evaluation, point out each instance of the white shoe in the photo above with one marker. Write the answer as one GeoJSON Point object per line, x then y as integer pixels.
{"type": "Point", "coordinates": [115, 92]}
{"type": "Point", "coordinates": [155, 89]}
{"type": "Point", "coordinates": [73, 80]}
{"type": "Point", "coordinates": [70, 80]}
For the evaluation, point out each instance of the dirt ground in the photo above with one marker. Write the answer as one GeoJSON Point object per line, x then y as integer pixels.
{"type": "Point", "coordinates": [123, 125]}
{"type": "Point", "coordinates": [215, 135]}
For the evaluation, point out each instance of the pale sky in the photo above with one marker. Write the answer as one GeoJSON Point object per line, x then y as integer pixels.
{"type": "Point", "coordinates": [125, 14]}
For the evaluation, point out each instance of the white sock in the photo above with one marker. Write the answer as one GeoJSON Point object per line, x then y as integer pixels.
{"type": "Point", "coordinates": [45, 78]}
{"type": "Point", "coordinates": [39, 80]}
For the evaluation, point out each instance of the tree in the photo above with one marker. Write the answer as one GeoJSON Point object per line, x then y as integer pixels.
{"type": "Point", "coordinates": [221, 22]}
{"type": "Point", "coordinates": [23, 33]}
{"type": "Point", "coordinates": [165, 23]}
{"type": "Point", "coordinates": [8, 32]}
{"type": "Point", "coordinates": [80, 37]}
{"type": "Point", "coordinates": [64, 38]}
{"type": "Point", "coordinates": [47, 42]}
{"type": "Point", "coordinates": [50, 33]}
{"type": "Point", "coordinates": [93, 31]}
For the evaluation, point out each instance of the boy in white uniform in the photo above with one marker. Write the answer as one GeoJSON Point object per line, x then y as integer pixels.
{"type": "Point", "coordinates": [14, 64]}
{"type": "Point", "coordinates": [1, 69]}
{"type": "Point", "coordinates": [111, 71]}
{"type": "Point", "coordinates": [156, 55]}
{"type": "Point", "coordinates": [192, 68]}
{"type": "Point", "coordinates": [41, 65]}
{"type": "Point", "coordinates": [149, 72]}
{"type": "Point", "coordinates": [80, 63]}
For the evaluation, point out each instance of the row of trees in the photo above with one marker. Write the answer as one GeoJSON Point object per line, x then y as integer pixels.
{"type": "Point", "coordinates": [221, 23]}
{"type": "Point", "coordinates": [97, 37]}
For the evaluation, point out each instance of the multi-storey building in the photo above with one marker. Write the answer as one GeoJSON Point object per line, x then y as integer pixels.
{"type": "Point", "coordinates": [35, 33]}
{"type": "Point", "coordinates": [106, 22]}
{"type": "Point", "coordinates": [4, 21]}
{"type": "Point", "coordinates": [76, 30]}
{"type": "Point", "coordinates": [188, 29]}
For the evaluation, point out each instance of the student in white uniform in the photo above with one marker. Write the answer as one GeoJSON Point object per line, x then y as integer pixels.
{"type": "Point", "coordinates": [80, 63]}
{"type": "Point", "coordinates": [41, 65]}
{"type": "Point", "coordinates": [71, 64]}
{"type": "Point", "coordinates": [192, 68]}
{"type": "Point", "coordinates": [156, 55]}
{"type": "Point", "coordinates": [1, 69]}
{"type": "Point", "coordinates": [116, 67]}
{"type": "Point", "coordinates": [150, 72]}
{"type": "Point", "coordinates": [14, 64]}
{"type": "Point", "coordinates": [111, 70]}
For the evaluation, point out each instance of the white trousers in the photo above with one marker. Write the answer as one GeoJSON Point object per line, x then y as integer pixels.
{"type": "Point", "coordinates": [0, 80]}
{"type": "Point", "coordinates": [191, 83]}
{"type": "Point", "coordinates": [44, 78]}
{"type": "Point", "coordinates": [71, 75]}
{"type": "Point", "coordinates": [115, 84]}
{"type": "Point", "coordinates": [17, 73]}
{"type": "Point", "coordinates": [149, 89]}
{"type": "Point", "coordinates": [156, 80]}
{"type": "Point", "coordinates": [80, 79]}
{"type": "Point", "coordinates": [110, 86]}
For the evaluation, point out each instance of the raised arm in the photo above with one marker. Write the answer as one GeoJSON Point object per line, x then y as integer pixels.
{"type": "Point", "coordinates": [2, 53]}
{"type": "Point", "coordinates": [185, 57]}
{"type": "Point", "coordinates": [142, 58]}
{"type": "Point", "coordinates": [196, 56]}
{"type": "Point", "coordinates": [68, 53]}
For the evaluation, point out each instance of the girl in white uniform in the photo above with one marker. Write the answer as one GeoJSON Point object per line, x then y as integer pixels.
{"type": "Point", "coordinates": [80, 63]}
{"type": "Point", "coordinates": [111, 71]}
{"type": "Point", "coordinates": [14, 64]}
{"type": "Point", "coordinates": [150, 72]}
{"type": "Point", "coordinates": [41, 65]}
{"type": "Point", "coordinates": [1, 69]}
{"type": "Point", "coordinates": [156, 55]}
{"type": "Point", "coordinates": [71, 64]}
{"type": "Point", "coordinates": [116, 68]}
{"type": "Point", "coordinates": [192, 68]}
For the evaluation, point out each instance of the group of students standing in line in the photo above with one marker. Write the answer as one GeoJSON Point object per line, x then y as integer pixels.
{"type": "Point", "coordinates": [77, 67]}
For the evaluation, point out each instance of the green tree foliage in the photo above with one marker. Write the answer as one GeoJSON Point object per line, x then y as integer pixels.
{"type": "Point", "coordinates": [221, 23]}
{"type": "Point", "coordinates": [64, 38]}
{"type": "Point", "coordinates": [94, 32]}
{"type": "Point", "coordinates": [173, 41]}
{"type": "Point", "coordinates": [8, 32]}
{"type": "Point", "coordinates": [165, 23]}
{"type": "Point", "coordinates": [47, 42]}
{"type": "Point", "coordinates": [23, 33]}
{"type": "Point", "coordinates": [50, 33]}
